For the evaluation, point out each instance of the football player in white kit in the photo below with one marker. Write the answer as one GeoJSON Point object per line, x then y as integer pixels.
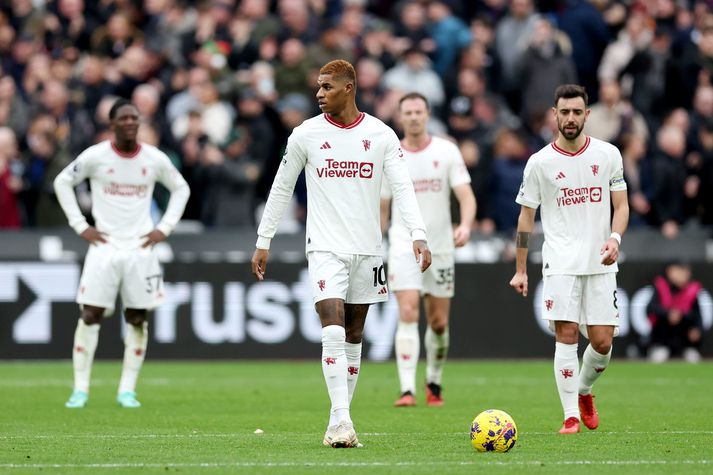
{"type": "Point", "coordinates": [436, 167]}
{"type": "Point", "coordinates": [345, 153]}
{"type": "Point", "coordinates": [121, 259]}
{"type": "Point", "coordinates": [576, 181]}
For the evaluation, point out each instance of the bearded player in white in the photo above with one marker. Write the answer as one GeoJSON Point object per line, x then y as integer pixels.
{"type": "Point", "coordinates": [436, 167]}
{"type": "Point", "coordinates": [576, 181]}
{"type": "Point", "coordinates": [121, 258]}
{"type": "Point", "coordinates": [345, 153]}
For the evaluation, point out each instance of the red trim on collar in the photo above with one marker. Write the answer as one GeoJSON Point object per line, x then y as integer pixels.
{"type": "Point", "coordinates": [570, 154]}
{"type": "Point", "coordinates": [356, 122]}
{"type": "Point", "coordinates": [124, 154]}
{"type": "Point", "coordinates": [416, 150]}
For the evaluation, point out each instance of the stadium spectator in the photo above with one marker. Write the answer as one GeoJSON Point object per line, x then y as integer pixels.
{"type": "Point", "coordinates": [579, 255]}
{"type": "Point", "coordinates": [634, 38]}
{"type": "Point", "coordinates": [449, 34]}
{"type": "Point", "coordinates": [675, 315]}
{"type": "Point", "coordinates": [668, 177]}
{"type": "Point", "coordinates": [10, 181]}
{"type": "Point", "coordinates": [546, 65]}
{"type": "Point", "coordinates": [437, 170]}
{"type": "Point", "coordinates": [614, 116]}
{"type": "Point", "coordinates": [121, 257]}
{"type": "Point", "coordinates": [413, 73]}
{"type": "Point", "coordinates": [633, 153]}
{"type": "Point", "coordinates": [343, 239]}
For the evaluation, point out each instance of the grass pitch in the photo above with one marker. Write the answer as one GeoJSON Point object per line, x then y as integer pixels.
{"type": "Point", "coordinates": [201, 418]}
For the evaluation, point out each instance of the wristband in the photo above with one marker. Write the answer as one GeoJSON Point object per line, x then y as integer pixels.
{"type": "Point", "coordinates": [616, 236]}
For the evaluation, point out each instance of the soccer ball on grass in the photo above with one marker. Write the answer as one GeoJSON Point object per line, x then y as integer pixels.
{"type": "Point", "coordinates": [493, 431]}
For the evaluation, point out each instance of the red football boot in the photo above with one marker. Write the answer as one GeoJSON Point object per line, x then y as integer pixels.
{"type": "Point", "coordinates": [588, 412]}
{"type": "Point", "coordinates": [570, 426]}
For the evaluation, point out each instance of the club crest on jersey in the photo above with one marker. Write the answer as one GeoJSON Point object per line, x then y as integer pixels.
{"type": "Point", "coordinates": [367, 144]}
{"type": "Point", "coordinates": [549, 303]}
{"type": "Point", "coordinates": [321, 284]}
{"type": "Point", "coordinates": [595, 170]}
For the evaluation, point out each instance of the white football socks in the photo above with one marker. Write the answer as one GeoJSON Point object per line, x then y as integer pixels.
{"type": "Point", "coordinates": [436, 352]}
{"type": "Point", "coordinates": [85, 344]}
{"type": "Point", "coordinates": [334, 368]}
{"type": "Point", "coordinates": [353, 352]}
{"type": "Point", "coordinates": [567, 377]}
{"type": "Point", "coordinates": [135, 343]}
{"type": "Point", "coordinates": [593, 364]}
{"type": "Point", "coordinates": [407, 346]}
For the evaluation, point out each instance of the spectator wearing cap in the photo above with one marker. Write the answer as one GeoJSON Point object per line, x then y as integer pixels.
{"type": "Point", "coordinates": [450, 34]}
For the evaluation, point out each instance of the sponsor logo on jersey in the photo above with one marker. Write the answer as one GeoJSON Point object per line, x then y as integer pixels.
{"type": "Point", "coordinates": [383, 291]}
{"type": "Point", "coordinates": [122, 189]}
{"type": "Point", "coordinates": [595, 170]}
{"type": "Point", "coordinates": [367, 144]}
{"type": "Point", "coordinates": [325, 146]}
{"type": "Point", "coordinates": [427, 184]}
{"type": "Point", "coordinates": [560, 175]}
{"type": "Point", "coordinates": [346, 169]}
{"type": "Point", "coordinates": [578, 196]}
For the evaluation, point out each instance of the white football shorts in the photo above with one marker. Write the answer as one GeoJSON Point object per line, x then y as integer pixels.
{"type": "Point", "coordinates": [438, 280]}
{"type": "Point", "coordinates": [135, 274]}
{"type": "Point", "coordinates": [354, 278]}
{"type": "Point", "coordinates": [583, 299]}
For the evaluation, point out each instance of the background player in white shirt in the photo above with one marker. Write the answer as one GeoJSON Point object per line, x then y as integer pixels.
{"type": "Point", "coordinates": [345, 153]}
{"type": "Point", "coordinates": [436, 167]}
{"type": "Point", "coordinates": [121, 258]}
{"type": "Point", "coordinates": [575, 180]}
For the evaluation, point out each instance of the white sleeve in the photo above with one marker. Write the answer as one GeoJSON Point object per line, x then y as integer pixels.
{"type": "Point", "coordinates": [293, 162]}
{"type": "Point", "coordinates": [616, 179]}
{"type": "Point", "coordinates": [404, 196]}
{"type": "Point", "coordinates": [529, 194]}
{"type": "Point", "coordinates": [73, 174]}
{"type": "Point", "coordinates": [458, 173]}
{"type": "Point", "coordinates": [171, 178]}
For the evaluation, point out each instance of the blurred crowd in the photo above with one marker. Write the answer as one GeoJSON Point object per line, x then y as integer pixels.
{"type": "Point", "coordinates": [220, 84]}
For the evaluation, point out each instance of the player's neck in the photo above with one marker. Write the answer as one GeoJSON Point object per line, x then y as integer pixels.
{"type": "Point", "coordinates": [348, 115]}
{"type": "Point", "coordinates": [571, 146]}
{"type": "Point", "coordinates": [126, 146]}
{"type": "Point", "coordinates": [416, 141]}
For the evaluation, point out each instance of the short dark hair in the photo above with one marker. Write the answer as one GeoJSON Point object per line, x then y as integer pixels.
{"type": "Point", "coordinates": [570, 91]}
{"type": "Point", "coordinates": [340, 69]}
{"type": "Point", "coordinates": [117, 105]}
{"type": "Point", "coordinates": [415, 95]}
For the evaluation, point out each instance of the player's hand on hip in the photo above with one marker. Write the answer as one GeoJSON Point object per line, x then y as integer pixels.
{"type": "Point", "coordinates": [152, 238]}
{"type": "Point", "coordinates": [461, 235]}
{"type": "Point", "coordinates": [519, 283]}
{"type": "Point", "coordinates": [93, 235]}
{"type": "Point", "coordinates": [423, 254]}
{"type": "Point", "coordinates": [609, 252]}
{"type": "Point", "coordinates": [259, 263]}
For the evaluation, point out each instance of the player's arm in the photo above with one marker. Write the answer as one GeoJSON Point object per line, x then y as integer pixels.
{"type": "Point", "coordinates": [525, 225]}
{"type": "Point", "coordinates": [467, 204]}
{"type": "Point", "coordinates": [171, 178]}
{"type": "Point", "coordinates": [404, 198]}
{"type": "Point", "coordinates": [620, 220]}
{"type": "Point", "coordinates": [64, 184]}
{"type": "Point", "coordinates": [293, 162]}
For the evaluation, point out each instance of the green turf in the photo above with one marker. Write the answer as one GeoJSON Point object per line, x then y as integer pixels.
{"type": "Point", "coordinates": [201, 418]}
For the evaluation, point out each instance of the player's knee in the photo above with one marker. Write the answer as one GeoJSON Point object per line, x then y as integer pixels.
{"type": "Point", "coordinates": [135, 317]}
{"type": "Point", "coordinates": [354, 335]}
{"type": "Point", "coordinates": [439, 326]}
{"type": "Point", "coordinates": [603, 347]}
{"type": "Point", "coordinates": [92, 315]}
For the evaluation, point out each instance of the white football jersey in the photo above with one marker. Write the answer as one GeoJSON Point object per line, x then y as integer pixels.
{"type": "Point", "coordinates": [344, 166]}
{"type": "Point", "coordinates": [434, 169]}
{"type": "Point", "coordinates": [122, 187]}
{"type": "Point", "coordinates": [574, 193]}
